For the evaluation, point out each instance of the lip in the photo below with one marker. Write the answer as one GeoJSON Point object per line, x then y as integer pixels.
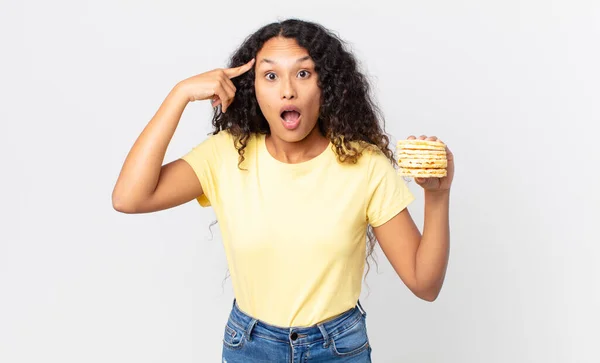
{"type": "Point", "coordinates": [292, 126]}
{"type": "Point", "coordinates": [289, 108]}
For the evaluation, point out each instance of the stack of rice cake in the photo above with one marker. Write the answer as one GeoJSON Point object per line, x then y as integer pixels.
{"type": "Point", "coordinates": [422, 158]}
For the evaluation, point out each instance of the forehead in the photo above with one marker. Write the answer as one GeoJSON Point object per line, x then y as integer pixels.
{"type": "Point", "coordinates": [281, 49]}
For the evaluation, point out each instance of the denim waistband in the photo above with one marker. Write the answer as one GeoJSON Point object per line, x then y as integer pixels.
{"type": "Point", "coordinates": [297, 335]}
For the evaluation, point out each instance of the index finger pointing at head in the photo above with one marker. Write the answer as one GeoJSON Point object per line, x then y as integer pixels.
{"type": "Point", "coordinates": [238, 71]}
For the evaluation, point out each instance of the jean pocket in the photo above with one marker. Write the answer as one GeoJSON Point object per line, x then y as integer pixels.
{"type": "Point", "coordinates": [233, 337]}
{"type": "Point", "coordinates": [351, 341]}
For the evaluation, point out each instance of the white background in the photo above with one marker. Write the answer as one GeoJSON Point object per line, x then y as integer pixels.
{"type": "Point", "coordinates": [511, 86]}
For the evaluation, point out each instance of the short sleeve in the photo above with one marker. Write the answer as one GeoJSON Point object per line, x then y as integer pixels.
{"type": "Point", "coordinates": [387, 192]}
{"type": "Point", "coordinates": [204, 159]}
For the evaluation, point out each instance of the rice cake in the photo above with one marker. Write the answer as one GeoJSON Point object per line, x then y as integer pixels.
{"type": "Point", "coordinates": [422, 158]}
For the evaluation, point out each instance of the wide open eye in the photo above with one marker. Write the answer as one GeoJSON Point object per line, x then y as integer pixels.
{"type": "Point", "coordinates": [304, 74]}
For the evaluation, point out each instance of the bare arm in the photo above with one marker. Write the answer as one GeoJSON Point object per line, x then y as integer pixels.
{"type": "Point", "coordinates": [144, 184]}
{"type": "Point", "coordinates": [421, 261]}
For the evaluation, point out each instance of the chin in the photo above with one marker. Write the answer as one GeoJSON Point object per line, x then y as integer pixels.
{"type": "Point", "coordinates": [292, 136]}
{"type": "Point", "coordinates": [286, 135]}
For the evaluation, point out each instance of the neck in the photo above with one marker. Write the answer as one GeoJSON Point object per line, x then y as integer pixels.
{"type": "Point", "coordinates": [296, 152]}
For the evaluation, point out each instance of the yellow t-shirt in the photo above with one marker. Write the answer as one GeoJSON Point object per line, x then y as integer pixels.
{"type": "Point", "coordinates": [295, 234]}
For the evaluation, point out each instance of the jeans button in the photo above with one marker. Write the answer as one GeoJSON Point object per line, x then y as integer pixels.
{"type": "Point", "coordinates": [294, 336]}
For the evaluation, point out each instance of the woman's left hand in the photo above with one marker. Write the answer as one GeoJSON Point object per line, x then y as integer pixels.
{"type": "Point", "coordinates": [437, 184]}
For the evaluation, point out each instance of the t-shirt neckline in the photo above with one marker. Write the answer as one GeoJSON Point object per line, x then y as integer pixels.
{"type": "Point", "coordinates": [293, 166]}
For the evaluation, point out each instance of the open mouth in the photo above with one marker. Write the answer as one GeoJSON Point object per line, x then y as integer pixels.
{"type": "Point", "coordinates": [290, 116]}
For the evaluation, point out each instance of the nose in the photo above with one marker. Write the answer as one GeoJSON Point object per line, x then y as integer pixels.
{"type": "Point", "coordinates": [288, 90]}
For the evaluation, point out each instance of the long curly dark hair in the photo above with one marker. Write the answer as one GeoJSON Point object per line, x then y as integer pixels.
{"type": "Point", "coordinates": [348, 115]}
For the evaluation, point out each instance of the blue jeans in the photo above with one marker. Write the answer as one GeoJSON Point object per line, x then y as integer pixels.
{"type": "Point", "coordinates": [341, 339]}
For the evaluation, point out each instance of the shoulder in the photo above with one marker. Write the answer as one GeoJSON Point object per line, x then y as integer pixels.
{"type": "Point", "coordinates": [374, 161]}
{"type": "Point", "coordinates": [222, 137]}
{"type": "Point", "coordinates": [226, 147]}
{"type": "Point", "coordinates": [228, 138]}
{"type": "Point", "coordinates": [213, 147]}
{"type": "Point", "coordinates": [226, 141]}
{"type": "Point", "coordinates": [371, 156]}
{"type": "Point", "coordinates": [357, 152]}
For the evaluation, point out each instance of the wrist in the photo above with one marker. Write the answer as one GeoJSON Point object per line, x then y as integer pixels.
{"type": "Point", "coordinates": [179, 92]}
{"type": "Point", "coordinates": [437, 193]}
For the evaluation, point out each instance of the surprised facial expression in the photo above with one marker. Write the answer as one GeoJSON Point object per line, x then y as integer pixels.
{"type": "Point", "coordinates": [286, 88]}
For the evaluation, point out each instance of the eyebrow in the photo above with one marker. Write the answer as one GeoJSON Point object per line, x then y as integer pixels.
{"type": "Point", "coordinates": [299, 60]}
